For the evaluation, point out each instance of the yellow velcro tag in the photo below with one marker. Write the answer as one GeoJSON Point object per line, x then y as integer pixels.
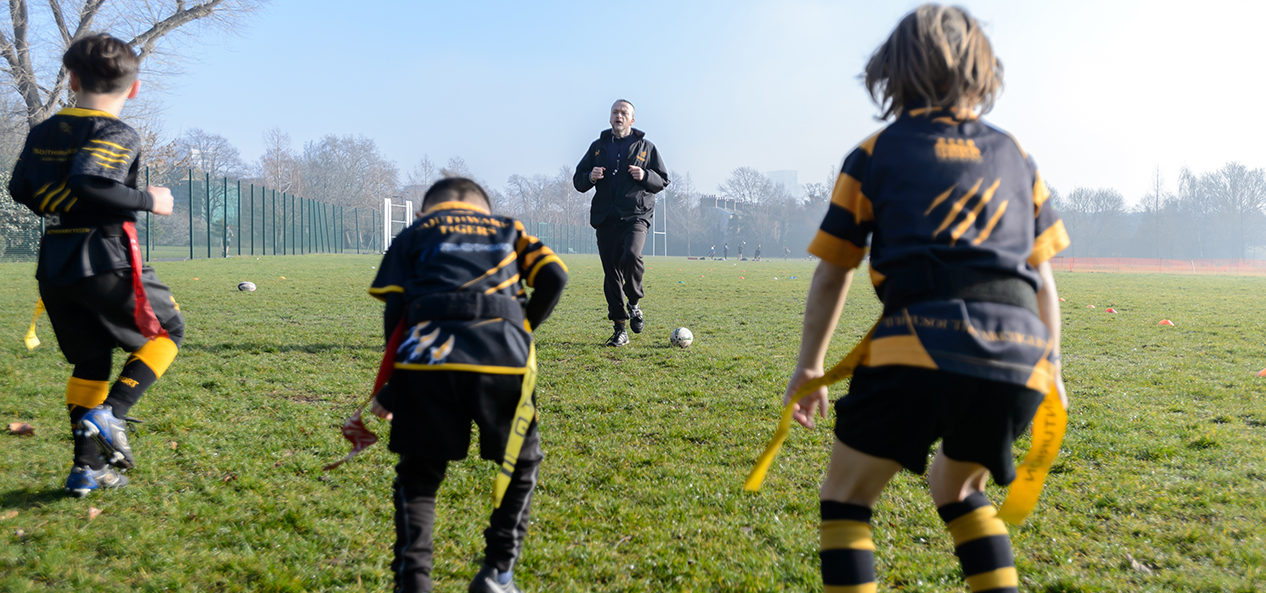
{"type": "Point", "coordinates": [157, 354]}
{"type": "Point", "coordinates": [523, 416]}
{"type": "Point", "coordinates": [85, 393]}
{"type": "Point", "coordinates": [1048, 432]}
{"type": "Point", "coordinates": [32, 341]}
{"type": "Point", "coordinates": [980, 523]}
{"type": "Point", "coordinates": [842, 370]}
{"type": "Point", "coordinates": [845, 535]}
{"type": "Point", "coordinates": [994, 579]}
{"type": "Point", "coordinates": [862, 588]}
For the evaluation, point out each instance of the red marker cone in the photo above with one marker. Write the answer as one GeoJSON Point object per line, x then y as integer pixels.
{"type": "Point", "coordinates": [1110, 310]}
{"type": "Point", "coordinates": [1061, 299]}
{"type": "Point", "coordinates": [1165, 322]}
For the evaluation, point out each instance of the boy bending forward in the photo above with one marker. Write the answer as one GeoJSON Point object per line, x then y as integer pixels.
{"type": "Point", "coordinates": [960, 232]}
{"type": "Point", "coordinates": [78, 170]}
{"type": "Point", "coordinates": [455, 279]}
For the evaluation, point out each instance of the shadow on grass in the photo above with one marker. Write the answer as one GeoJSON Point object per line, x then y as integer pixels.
{"type": "Point", "coordinates": [25, 498]}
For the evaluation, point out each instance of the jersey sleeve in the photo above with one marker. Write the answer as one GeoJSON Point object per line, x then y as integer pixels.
{"type": "Point", "coordinates": [109, 152]}
{"type": "Point", "coordinates": [394, 271]}
{"type": "Point", "coordinates": [850, 219]}
{"type": "Point", "coordinates": [533, 255]}
{"type": "Point", "coordinates": [1050, 237]}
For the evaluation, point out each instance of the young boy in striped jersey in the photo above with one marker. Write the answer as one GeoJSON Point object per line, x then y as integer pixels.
{"type": "Point", "coordinates": [454, 283]}
{"type": "Point", "coordinates": [79, 171]}
{"type": "Point", "coordinates": [960, 231]}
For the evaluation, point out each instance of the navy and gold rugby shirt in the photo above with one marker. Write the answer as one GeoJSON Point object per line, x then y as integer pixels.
{"type": "Point", "coordinates": [958, 193]}
{"type": "Point", "coordinates": [460, 247]}
{"type": "Point", "coordinates": [72, 142]}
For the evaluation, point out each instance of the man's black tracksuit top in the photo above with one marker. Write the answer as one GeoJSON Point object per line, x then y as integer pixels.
{"type": "Point", "coordinates": [619, 197]}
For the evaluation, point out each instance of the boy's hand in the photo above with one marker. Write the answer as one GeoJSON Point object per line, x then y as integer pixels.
{"type": "Point", "coordinates": [815, 401]}
{"type": "Point", "coordinates": [162, 199]}
{"type": "Point", "coordinates": [1059, 386]}
{"type": "Point", "coordinates": [596, 174]}
{"type": "Point", "coordinates": [376, 409]}
{"type": "Point", "coordinates": [636, 172]}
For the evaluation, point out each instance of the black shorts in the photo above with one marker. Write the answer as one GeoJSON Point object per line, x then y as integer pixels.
{"type": "Point", "coordinates": [433, 411]}
{"type": "Point", "coordinates": [97, 314]}
{"type": "Point", "coordinates": [899, 412]}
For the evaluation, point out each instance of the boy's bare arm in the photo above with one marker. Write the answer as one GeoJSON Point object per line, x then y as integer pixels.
{"type": "Point", "coordinates": [827, 294]}
{"type": "Point", "coordinates": [1048, 310]}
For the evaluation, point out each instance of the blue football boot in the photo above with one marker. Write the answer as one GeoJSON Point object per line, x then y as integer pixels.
{"type": "Point", "coordinates": [110, 433]}
{"type": "Point", "coordinates": [84, 479]}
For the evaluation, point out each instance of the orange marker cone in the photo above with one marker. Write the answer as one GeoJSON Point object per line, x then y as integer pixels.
{"type": "Point", "coordinates": [1165, 322]}
{"type": "Point", "coordinates": [1262, 373]}
{"type": "Point", "coordinates": [1061, 299]}
{"type": "Point", "coordinates": [1110, 310]}
{"type": "Point", "coordinates": [740, 277]}
{"type": "Point", "coordinates": [1090, 306]}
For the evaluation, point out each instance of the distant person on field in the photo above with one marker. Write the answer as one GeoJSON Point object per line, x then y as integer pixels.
{"type": "Point", "coordinates": [960, 230]}
{"type": "Point", "coordinates": [453, 283]}
{"type": "Point", "coordinates": [757, 258]}
{"type": "Point", "coordinates": [741, 245]}
{"type": "Point", "coordinates": [725, 252]}
{"type": "Point", "coordinates": [78, 170]}
{"type": "Point", "coordinates": [625, 171]}
{"type": "Point", "coordinates": [712, 253]}
{"type": "Point", "coordinates": [786, 252]}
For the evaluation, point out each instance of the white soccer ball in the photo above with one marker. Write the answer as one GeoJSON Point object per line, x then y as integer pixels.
{"type": "Point", "coordinates": [681, 338]}
{"type": "Point", "coordinates": [246, 286]}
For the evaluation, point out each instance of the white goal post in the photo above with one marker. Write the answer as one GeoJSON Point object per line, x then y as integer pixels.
{"type": "Point", "coordinates": [396, 216]}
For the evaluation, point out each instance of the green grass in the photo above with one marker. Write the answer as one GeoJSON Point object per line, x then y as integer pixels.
{"type": "Point", "coordinates": [646, 446]}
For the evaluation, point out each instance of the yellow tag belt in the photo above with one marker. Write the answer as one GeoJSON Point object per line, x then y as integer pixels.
{"type": "Point", "coordinates": [1048, 432]}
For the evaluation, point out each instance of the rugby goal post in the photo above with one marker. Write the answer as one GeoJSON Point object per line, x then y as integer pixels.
{"type": "Point", "coordinates": [396, 216]}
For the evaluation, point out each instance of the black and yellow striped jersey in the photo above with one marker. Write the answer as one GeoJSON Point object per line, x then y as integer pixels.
{"type": "Point", "coordinates": [460, 248]}
{"type": "Point", "coordinates": [936, 191]}
{"type": "Point", "coordinates": [78, 143]}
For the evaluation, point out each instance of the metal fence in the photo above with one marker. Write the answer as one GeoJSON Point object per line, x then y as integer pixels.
{"type": "Point", "coordinates": [220, 217]}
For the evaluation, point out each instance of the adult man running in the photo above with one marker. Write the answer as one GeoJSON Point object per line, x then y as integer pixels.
{"type": "Point", "coordinates": [626, 172]}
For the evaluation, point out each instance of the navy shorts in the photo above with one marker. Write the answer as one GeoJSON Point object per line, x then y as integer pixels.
{"type": "Point", "coordinates": [898, 413]}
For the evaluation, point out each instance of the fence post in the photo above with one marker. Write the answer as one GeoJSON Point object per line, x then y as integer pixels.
{"type": "Point", "coordinates": [252, 219]}
{"type": "Point", "coordinates": [224, 236]}
{"type": "Point", "coordinates": [206, 186]}
{"type": "Point", "coordinates": [149, 227]}
{"type": "Point", "coordinates": [356, 216]}
{"type": "Point", "coordinates": [274, 193]}
{"type": "Point", "coordinates": [191, 214]}
{"type": "Point", "coordinates": [239, 217]}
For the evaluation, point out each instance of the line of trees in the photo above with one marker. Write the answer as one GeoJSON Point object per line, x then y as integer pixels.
{"type": "Point", "coordinates": [1215, 214]}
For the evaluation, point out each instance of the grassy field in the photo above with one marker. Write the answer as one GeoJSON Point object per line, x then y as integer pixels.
{"type": "Point", "coordinates": [1161, 485]}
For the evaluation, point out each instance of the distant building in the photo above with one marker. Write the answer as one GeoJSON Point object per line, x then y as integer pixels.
{"type": "Point", "coordinates": [787, 179]}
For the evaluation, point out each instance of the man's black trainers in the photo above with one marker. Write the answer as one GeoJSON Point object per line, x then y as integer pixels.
{"type": "Point", "coordinates": [619, 338]}
{"type": "Point", "coordinates": [636, 320]}
{"type": "Point", "coordinates": [99, 424]}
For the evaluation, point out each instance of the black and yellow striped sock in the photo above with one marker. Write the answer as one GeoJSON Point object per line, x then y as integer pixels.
{"type": "Point", "coordinates": [847, 550]}
{"type": "Point", "coordinates": [141, 370]}
{"type": "Point", "coordinates": [981, 544]}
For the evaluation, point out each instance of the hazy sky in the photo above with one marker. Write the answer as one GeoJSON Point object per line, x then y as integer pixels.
{"type": "Point", "coordinates": [1101, 92]}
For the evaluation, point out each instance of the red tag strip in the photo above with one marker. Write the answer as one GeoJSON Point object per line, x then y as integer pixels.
{"type": "Point", "coordinates": [146, 321]}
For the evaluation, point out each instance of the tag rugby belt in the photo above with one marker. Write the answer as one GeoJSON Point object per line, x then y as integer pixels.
{"type": "Point", "coordinates": [928, 283]}
{"type": "Point", "coordinates": [465, 306]}
{"type": "Point", "coordinates": [923, 281]}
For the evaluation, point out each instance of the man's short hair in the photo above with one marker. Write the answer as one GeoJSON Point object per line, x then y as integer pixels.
{"type": "Point", "coordinates": [104, 64]}
{"type": "Point", "coordinates": [626, 102]}
{"type": "Point", "coordinates": [458, 189]}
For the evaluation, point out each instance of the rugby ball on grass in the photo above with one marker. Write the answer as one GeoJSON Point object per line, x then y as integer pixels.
{"type": "Point", "coordinates": [681, 338]}
{"type": "Point", "coordinates": [246, 286]}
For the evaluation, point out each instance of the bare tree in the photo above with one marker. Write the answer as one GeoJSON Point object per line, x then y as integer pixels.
{"type": "Point", "coordinates": [456, 167]}
{"type": "Point", "coordinates": [348, 171]}
{"type": "Point", "coordinates": [210, 153]}
{"type": "Point", "coordinates": [279, 167]}
{"type": "Point", "coordinates": [747, 186]}
{"type": "Point", "coordinates": [420, 178]}
{"type": "Point", "coordinates": [32, 47]}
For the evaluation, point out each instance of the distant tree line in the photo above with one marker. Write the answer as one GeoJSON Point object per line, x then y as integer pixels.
{"type": "Point", "coordinates": [1211, 215]}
